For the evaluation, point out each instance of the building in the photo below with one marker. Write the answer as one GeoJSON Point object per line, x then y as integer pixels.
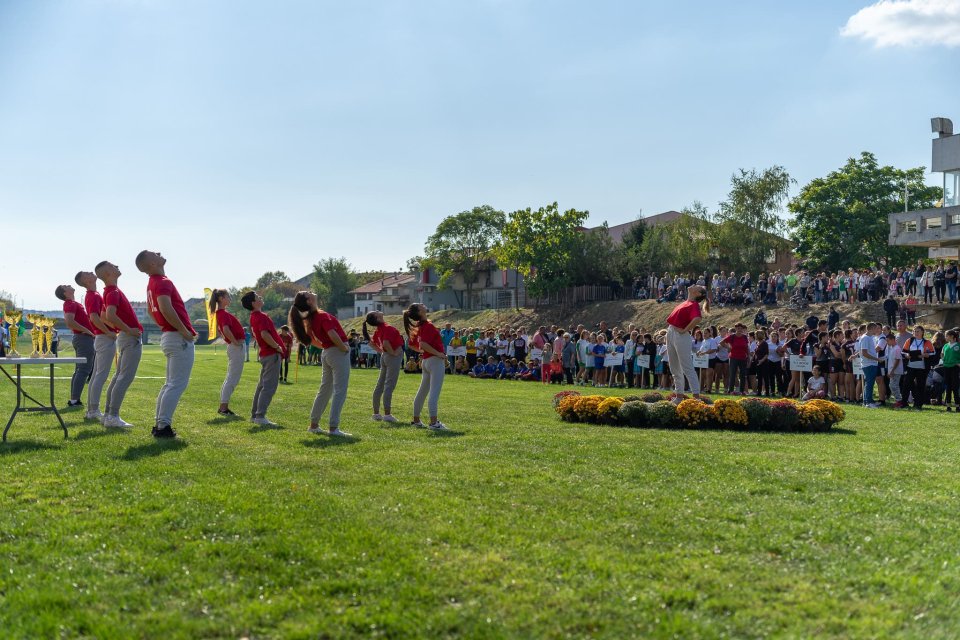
{"type": "Point", "coordinates": [389, 295]}
{"type": "Point", "coordinates": [938, 228]}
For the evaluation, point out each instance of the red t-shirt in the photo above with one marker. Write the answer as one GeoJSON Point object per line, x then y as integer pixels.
{"type": "Point", "coordinates": [93, 303]}
{"type": "Point", "coordinates": [684, 314]}
{"type": "Point", "coordinates": [227, 319]}
{"type": "Point", "coordinates": [259, 321]}
{"type": "Point", "coordinates": [287, 342]}
{"type": "Point", "coordinates": [428, 333]}
{"type": "Point", "coordinates": [79, 314]}
{"type": "Point", "coordinates": [387, 333]}
{"type": "Point", "coordinates": [113, 297]}
{"type": "Point", "coordinates": [162, 286]}
{"type": "Point", "coordinates": [739, 346]}
{"type": "Point", "coordinates": [323, 322]}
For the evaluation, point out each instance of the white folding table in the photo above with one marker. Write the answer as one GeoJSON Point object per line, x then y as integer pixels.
{"type": "Point", "coordinates": [18, 363]}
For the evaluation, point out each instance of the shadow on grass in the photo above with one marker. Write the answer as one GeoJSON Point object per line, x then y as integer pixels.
{"type": "Point", "coordinates": [265, 427]}
{"type": "Point", "coordinates": [97, 433]}
{"type": "Point", "coordinates": [445, 434]}
{"type": "Point", "coordinates": [226, 420]}
{"type": "Point", "coordinates": [324, 441]}
{"type": "Point", "coordinates": [19, 446]}
{"type": "Point", "coordinates": [153, 449]}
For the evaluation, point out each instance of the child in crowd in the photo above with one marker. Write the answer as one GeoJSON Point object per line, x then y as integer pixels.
{"type": "Point", "coordinates": [951, 369]}
{"type": "Point", "coordinates": [816, 385]}
{"type": "Point", "coordinates": [534, 373]}
{"type": "Point", "coordinates": [522, 370]}
{"type": "Point", "coordinates": [619, 369]}
{"type": "Point", "coordinates": [599, 355]}
{"type": "Point", "coordinates": [556, 370]}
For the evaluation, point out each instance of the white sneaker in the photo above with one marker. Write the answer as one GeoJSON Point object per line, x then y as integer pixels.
{"type": "Point", "coordinates": [115, 422]}
{"type": "Point", "coordinates": [418, 425]}
{"type": "Point", "coordinates": [92, 415]}
{"type": "Point", "coordinates": [337, 432]}
{"type": "Point", "coordinates": [263, 422]}
{"type": "Point", "coordinates": [376, 417]}
{"type": "Point", "coordinates": [316, 430]}
{"type": "Point", "coordinates": [438, 426]}
{"type": "Point", "coordinates": [389, 418]}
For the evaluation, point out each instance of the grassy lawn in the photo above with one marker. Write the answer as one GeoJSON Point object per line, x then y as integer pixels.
{"type": "Point", "coordinates": [513, 525]}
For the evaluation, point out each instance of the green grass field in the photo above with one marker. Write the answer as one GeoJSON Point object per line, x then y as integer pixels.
{"type": "Point", "coordinates": [513, 525]}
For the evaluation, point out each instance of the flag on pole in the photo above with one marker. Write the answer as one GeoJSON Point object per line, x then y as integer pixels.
{"type": "Point", "coordinates": [22, 326]}
{"type": "Point", "coordinates": [211, 316]}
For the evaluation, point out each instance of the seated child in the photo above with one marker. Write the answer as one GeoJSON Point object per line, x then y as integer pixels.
{"type": "Point", "coordinates": [556, 370]}
{"type": "Point", "coordinates": [522, 370]}
{"type": "Point", "coordinates": [490, 370]}
{"type": "Point", "coordinates": [509, 371]}
{"type": "Point", "coordinates": [534, 372]}
{"type": "Point", "coordinates": [477, 371]}
{"type": "Point", "coordinates": [816, 385]}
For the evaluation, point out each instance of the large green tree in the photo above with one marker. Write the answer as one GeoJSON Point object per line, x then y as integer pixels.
{"type": "Point", "coordinates": [270, 278]}
{"type": "Point", "coordinates": [689, 240]}
{"type": "Point", "coordinates": [333, 279]}
{"type": "Point", "coordinates": [751, 229]}
{"type": "Point", "coordinates": [463, 244]}
{"type": "Point", "coordinates": [840, 221]}
{"type": "Point", "coordinates": [591, 259]}
{"type": "Point", "coordinates": [540, 245]}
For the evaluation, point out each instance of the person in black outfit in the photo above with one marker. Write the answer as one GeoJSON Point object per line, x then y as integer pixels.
{"type": "Point", "coordinates": [892, 308]}
{"type": "Point", "coordinates": [833, 319]}
{"type": "Point", "coordinates": [812, 321]}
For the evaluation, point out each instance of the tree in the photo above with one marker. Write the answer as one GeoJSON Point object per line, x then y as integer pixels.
{"type": "Point", "coordinates": [590, 261]}
{"type": "Point", "coordinates": [840, 221]}
{"type": "Point", "coordinates": [539, 245]}
{"type": "Point", "coordinates": [690, 240]}
{"type": "Point", "coordinates": [333, 279]}
{"type": "Point", "coordinates": [463, 244]}
{"type": "Point", "coordinates": [270, 278]}
{"type": "Point", "coordinates": [750, 227]}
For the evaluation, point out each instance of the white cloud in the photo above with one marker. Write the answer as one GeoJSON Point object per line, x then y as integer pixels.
{"type": "Point", "coordinates": [907, 23]}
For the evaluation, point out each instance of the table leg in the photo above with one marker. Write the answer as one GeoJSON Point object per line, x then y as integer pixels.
{"type": "Point", "coordinates": [16, 409]}
{"type": "Point", "coordinates": [53, 403]}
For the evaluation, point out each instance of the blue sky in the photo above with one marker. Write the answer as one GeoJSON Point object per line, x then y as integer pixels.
{"type": "Point", "coordinates": [238, 137]}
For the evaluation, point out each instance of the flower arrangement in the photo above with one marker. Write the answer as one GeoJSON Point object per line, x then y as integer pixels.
{"type": "Point", "coordinates": [632, 398]}
{"type": "Point", "coordinates": [784, 415]}
{"type": "Point", "coordinates": [811, 418]}
{"type": "Point", "coordinates": [662, 414]}
{"type": "Point", "coordinates": [587, 408]}
{"type": "Point", "coordinates": [608, 411]}
{"type": "Point", "coordinates": [758, 411]}
{"type": "Point", "coordinates": [729, 413]}
{"type": "Point", "coordinates": [560, 396]}
{"type": "Point", "coordinates": [568, 408]}
{"type": "Point", "coordinates": [693, 414]}
{"type": "Point", "coordinates": [652, 397]}
{"type": "Point", "coordinates": [832, 412]}
{"type": "Point", "coordinates": [633, 414]}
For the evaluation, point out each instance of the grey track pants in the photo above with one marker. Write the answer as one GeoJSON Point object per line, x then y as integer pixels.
{"type": "Point", "coordinates": [387, 382]}
{"type": "Point", "coordinates": [431, 384]}
{"type": "Point", "coordinates": [129, 352]}
{"type": "Point", "coordinates": [234, 371]}
{"type": "Point", "coordinates": [266, 386]}
{"type": "Point", "coordinates": [333, 385]}
{"type": "Point", "coordinates": [680, 354]}
{"type": "Point", "coordinates": [106, 348]}
{"type": "Point", "coordinates": [179, 354]}
{"type": "Point", "coordinates": [83, 345]}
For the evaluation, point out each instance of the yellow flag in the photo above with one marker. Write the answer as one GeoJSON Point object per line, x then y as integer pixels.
{"type": "Point", "coordinates": [211, 316]}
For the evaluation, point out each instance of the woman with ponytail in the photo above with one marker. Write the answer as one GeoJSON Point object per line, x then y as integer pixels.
{"type": "Point", "coordinates": [312, 326]}
{"type": "Point", "coordinates": [388, 342]}
{"type": "Point", "coordinates": [232, 331]}
{"type": "Point", "coordinates": [425, 338]}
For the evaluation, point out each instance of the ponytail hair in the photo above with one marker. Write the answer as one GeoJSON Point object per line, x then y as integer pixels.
{"type": "Point", "coordinates": [215, 299]}
{"type": "Point", "coordinates": [416, 312]}
{"type": "Point", "coordinates": [370, 319]}
{"type": "Point", "coordinates": [299, 316]}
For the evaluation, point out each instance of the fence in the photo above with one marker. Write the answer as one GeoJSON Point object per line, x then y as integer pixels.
{"type": "Point", "coordinates": [573, 296]}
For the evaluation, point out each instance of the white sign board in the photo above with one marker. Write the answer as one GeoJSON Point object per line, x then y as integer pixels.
{"type": "Point", "coordinates": [643, 361]}
{"type": "Point", "coordinates": [857, 367]}
{"type": "Point", "coordinates": [701, 362]}
{"type": "Point", "coordinates": [366, 348]}
{"type": "Point", "coordinates": [612, 359]}
{"type": "Point", "coordinates": [457, 351]}
{"type": "Point", "coordinates": [798, 363]}
{"type": "Point", "coordinates": [536, 354]}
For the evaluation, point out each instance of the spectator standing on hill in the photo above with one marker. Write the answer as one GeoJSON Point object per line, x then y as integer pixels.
{"type": "Point", "coordinates": [892, 309]}
{"type": "Point", "coordinates": [833, 319]}
{"type": "Point", "coordinates": [812, 321]}
{"type": "Point", "coordinates": [951, 275]}
{"type": "Point", "coordinates": [803, 283]}
{"type": "Point", "coordinates": [791, 281]}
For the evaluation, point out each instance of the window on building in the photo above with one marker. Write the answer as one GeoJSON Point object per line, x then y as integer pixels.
{"type": "Point", "coordinates": [951, 188]}
{"type": "Point", "coordinates": [933, 223]}
{"type": "Point", "coordinates": [909, 226]}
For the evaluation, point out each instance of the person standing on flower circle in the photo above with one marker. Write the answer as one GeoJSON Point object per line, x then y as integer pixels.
{"type": "Point", "coordinates": [682, 322]}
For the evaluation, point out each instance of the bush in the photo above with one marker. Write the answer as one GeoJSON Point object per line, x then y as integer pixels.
{"type": "Point", "coordinates": [587, 408]}
{"type": "Point", "coordinates": [652, 397]}
{"type": "Point", "coordinates": [634, 414]}
{"type": "Point", "coordinates": [693, 414]}
{"type": "Point", "coordinates": [560, 396]}
{"type": "Point", "coordinates": [662, 414]}
{"type": "Point", "coordinates": [811, 418]}
{"type": "Point", "coordinates": [608, 411]}
{"type": "Point", "coordinates": [784, 416]}
{"type": "Point", "coordinates": [730, 414]}
{"type": "Point", "coordinates": [759, 412]}
{"type": "Point", "coordinates": [832, 412]}
{"type": "Point", "coordinates": [632, 398]}
{"type": "Point", "coordinates": [568, 408]}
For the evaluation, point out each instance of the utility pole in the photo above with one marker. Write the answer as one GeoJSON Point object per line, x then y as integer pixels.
{"type": "Point", "coordinates": [906, 194]}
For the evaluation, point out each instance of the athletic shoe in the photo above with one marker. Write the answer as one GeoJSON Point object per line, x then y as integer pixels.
{"type": "Point", "coordinates": [71, 403]}
{"type": "Point", "coordinates": [418, 424]}
{"type": "Point", "coordinates": [225, 412]}
{"type": "Point", "coordinates": [376, 417]}
{"type": "Point", "coordinates": [316, 430]}
{"type": "Point", "coordinates": [898, 405]}
{"type": "Point", "coordinates": [92, 415]}
{"type": "Point", "coordinates": [115, 422]}
{"type": "Point", "coordinates": [166, 432]}
{"type": "Point", "coordinates": [263, 422]}
{"type": "Point", "coordinates": [438, 426]}
{"type": "Point", "coordinates": [389, 418]}
{"type": "Point", "coordinates": [337, 432]}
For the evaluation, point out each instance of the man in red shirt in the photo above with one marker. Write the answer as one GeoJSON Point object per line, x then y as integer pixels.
{"type": "Point", "coordinates": [272, 353]}
{"type": "Point", "coordinates": [76, 318]}
{"type": "Point", "coordinates": [104, 343]}
{"type": "Point", "coordinates": [165, 306]}
{"type": "Point", "coordinates": [287, 338]}
{"type": "Point", "coordinates": [120, 317]}
{"type": "Point", "coordinates": [681, 323]}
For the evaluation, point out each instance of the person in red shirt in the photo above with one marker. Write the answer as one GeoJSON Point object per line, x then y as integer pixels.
{"type": "Point", "coordinates": [104, 343]}
{"type": "Point", "coordinates": [165, 306]}
{"type": "Point", "coordinates": [682, 321]}
{"type": "Point", "coordinates": [232, 332]}
{"type": "Point", "coordinates": [77, 319]}
{"type": "Point", "coordinates": [312, 326]}
{"type": "Point", "coordinates": [272, 353]}
{"type": "Point", "coordinates": [425, 338]}
{"type": "Point", "coordinates": [739, 347]}
{"type": "Point", "coordinates": [388, 342]}
{"type": "Point", "coordinates": [118, 316]}
{"type": "Point", "coordinates": [287, 338]}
